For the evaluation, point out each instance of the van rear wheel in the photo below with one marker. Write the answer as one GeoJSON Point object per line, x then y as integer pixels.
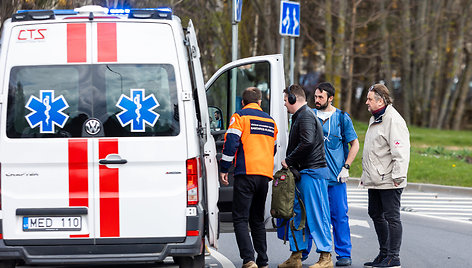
{"type": "Point", "coordinates": [191, 262]}
{"type": "Point", "coordinates": [7, 264]}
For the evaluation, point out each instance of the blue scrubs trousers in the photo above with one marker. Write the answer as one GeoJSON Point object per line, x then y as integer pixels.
{"type": "Point", "coordinates": [339, 219]}
{"type": "Point", "coordinates": [313, 188]}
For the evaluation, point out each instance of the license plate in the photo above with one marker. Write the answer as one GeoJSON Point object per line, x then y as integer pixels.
{"type": "Point", "coordinates": [52, 223]}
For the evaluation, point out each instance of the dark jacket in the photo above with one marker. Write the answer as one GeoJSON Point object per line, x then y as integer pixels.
{"type": "Point", "coordinates": [305, 144]}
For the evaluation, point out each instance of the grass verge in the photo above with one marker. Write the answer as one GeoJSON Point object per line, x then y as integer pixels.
{"type": "Point", "coordinates": [437, 156]}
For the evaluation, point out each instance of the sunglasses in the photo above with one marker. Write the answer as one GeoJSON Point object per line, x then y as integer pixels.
{"type": "Point", "coordinates": [376, 91]}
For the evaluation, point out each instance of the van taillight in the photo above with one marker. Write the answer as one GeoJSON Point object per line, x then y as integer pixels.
{"type": "Point", "coordinates": [0, 186]}
{"type": "Point", "coordinates": [193, 173]}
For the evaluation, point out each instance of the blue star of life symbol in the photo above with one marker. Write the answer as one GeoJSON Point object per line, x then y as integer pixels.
{"type": "Point", "coordinates": [47, 111]}
{"type": "Point", "coordinates": [137, 110]}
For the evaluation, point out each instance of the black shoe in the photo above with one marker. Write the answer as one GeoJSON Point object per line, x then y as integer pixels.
{"type": "Point", "coordinates": [344, 262]}
{"type": "Point", "coordinates": [376, 261]}
{"type": "Point", "coordinates": [390, 261]}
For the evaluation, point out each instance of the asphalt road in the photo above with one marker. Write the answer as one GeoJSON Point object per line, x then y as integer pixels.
{"type": "Point", "coordinates": [437, 232]}
{"type": "Point", "coordinates": [427, 242]}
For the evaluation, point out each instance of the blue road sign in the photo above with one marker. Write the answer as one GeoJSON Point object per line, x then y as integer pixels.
{"type": "Point", "coordinates": [289, 18]}
{"type": "Point", "coordinates": [237, 7]}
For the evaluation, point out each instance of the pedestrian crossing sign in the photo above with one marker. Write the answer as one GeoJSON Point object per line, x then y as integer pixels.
{"type": "Point", "coordinates": [289, 18]}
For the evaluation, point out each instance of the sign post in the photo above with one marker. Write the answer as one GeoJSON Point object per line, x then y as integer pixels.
{"type": "Point", "coordinates": [236, 17]}
{"type": "Point", "coordinates": [290, 26]}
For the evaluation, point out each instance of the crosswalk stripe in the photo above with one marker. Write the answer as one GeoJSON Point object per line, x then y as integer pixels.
{"type": "Point", "coordinates": [457, 208]}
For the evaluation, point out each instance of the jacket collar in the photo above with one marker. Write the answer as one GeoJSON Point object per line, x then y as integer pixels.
{"type": "Point", "coordinates": [294, 116]}
{"type": "Point", "coordinates": [378, 115]}
{"type": "Point", "coordinates": [253, 106]}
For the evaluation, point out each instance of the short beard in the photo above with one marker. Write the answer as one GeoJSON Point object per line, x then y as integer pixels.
{"type": "Point", "coordinates": [321, 107]}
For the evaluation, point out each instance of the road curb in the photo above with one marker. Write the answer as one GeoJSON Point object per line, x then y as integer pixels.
{"type": "Point", "coordinates": [425, 187]}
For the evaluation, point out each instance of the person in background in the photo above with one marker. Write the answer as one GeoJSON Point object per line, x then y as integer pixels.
{"type": "Point", "coordinates": [338, 132]}
{"type": "Point", "coordinates": [385, 161]}
{"type": "Point", "coordinates": [305, 153]}
{"type": "Point", "coordinates": [251, 140]}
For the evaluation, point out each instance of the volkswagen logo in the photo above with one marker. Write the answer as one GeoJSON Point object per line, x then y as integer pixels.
{"type": "Point", "coordinates": [92, 126]}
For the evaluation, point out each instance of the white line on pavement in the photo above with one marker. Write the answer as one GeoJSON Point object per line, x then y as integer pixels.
{"type": "Point", "coordinates": [225, 262]}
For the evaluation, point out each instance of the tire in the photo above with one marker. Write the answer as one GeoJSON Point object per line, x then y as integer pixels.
{"type": "Point", "coordinates": [190, 262]}
{"type": "Point", "coordinates": [7, 264]}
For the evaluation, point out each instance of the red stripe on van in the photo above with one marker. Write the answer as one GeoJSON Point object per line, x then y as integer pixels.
{"type": "Point", "coordinates": [109, 191]}
{"type": "Point", "coordinates": [79, 235]}
{"type": "Point", "coordinates": [76, 42]}
{"type": "Point", "coordinates": [106, 42]}
{"type": "Point", "coordinates": [78, 173]}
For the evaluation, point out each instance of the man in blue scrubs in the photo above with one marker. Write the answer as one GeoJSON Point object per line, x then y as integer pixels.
{"type": "Point", "coordinates": [338, 132]}
{"type": "Point", "coordinates": [305, 153]}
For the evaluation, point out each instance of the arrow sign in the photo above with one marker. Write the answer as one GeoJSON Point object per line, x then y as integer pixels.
{"type": "Point", "coordinates": [237, 8]}
{"type": "Point", "coordinates": [289, 18]}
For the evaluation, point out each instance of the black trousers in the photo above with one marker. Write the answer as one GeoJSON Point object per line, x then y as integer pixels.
{"type": "Point", "coordinates": [384, 209]}
{"type": "Point", "coordinates": [249, 196]}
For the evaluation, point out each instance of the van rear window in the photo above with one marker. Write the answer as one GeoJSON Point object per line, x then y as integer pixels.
{"type": "Point", "coordinates": [107, 100]}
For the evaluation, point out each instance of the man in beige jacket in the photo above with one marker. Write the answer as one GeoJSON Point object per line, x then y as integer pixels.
{"type": "Point", "coordinates": [385, 162]}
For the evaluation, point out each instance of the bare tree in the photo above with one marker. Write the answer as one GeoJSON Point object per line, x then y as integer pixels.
{"type": "Point", "coordinates": [328, 41]}
{"type": "Point", "coordinates": [339, 49]}
{"type": "Point", "coordinates": [431, 59]}
{"type": "Point", "coordinates": [385, 46]}
{"type": "Point", "coordinates": [452, 73]}
{"type": "Point", "coordinates": [406, 59]}
{"type": "Point", "coordinates": [349, 86]}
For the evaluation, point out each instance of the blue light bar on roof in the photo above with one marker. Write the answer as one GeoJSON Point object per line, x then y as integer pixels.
{"type": "Point", "coordinates": [56, 11]}
{"type": "Point", "coordinates": [65, 12]}
{"type": "Point", "coordinates": [151, 13]}
{"type": "Point", "coordinates": [165, 9]}
{"type": "Point", "coordinates": [118, 11]}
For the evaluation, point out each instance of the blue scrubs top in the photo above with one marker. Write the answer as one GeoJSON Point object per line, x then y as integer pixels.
{"type": "Point", "coordinates": [335, 153]}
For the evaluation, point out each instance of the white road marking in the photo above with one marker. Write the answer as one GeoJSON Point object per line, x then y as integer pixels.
{"type": "Point", "coordinates": [435, 205]}
{"type": "Point", "coordinates": [356, 236]}
{"type": "Point", "coordinates": [225, 262]}
{"type": "Point", "coordinates": [361, 223]}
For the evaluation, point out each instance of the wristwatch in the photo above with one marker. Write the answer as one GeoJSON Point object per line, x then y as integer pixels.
{"type": "Point", "coordinates": [347, 166]}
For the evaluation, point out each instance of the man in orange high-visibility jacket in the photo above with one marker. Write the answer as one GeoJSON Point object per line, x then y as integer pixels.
{"type": "Point", "coordinates": [251, 141]}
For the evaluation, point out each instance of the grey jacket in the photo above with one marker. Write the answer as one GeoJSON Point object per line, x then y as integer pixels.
{"type": "Point", "coordinates": [386, 154]}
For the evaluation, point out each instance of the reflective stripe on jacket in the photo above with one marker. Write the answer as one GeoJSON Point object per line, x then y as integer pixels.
{"type": "Point", "coordinates": [251, 141]}
{"type": "Point", "coordinates": [386, 154]}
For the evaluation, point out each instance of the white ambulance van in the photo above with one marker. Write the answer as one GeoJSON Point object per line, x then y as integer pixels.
{"type": "Point", "coordinates": [106, 147]}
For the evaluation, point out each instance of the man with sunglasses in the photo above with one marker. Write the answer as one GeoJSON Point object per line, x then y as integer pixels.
{"type": "Point", "coordinates": [385, 161]}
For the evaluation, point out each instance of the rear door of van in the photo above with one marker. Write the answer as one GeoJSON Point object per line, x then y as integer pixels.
{"type": "Point", "coordinates": [224, 91]}
{"type": "Point", "coordinates": [47, 166]}
{"type": "Point", "coordinates": [93, 148]}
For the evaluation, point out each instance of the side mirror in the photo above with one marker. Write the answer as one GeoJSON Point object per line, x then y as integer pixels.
{"type": "Point", "coordinates": [216, 118]}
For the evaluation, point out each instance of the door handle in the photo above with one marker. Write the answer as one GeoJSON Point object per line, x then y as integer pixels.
{"type": "Point", "coordinates": [112, 159]}
{"type": "Point", "coordinates": [107, 162]}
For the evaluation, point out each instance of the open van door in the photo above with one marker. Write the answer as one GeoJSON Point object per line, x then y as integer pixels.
{"type": "Point", "coordinates": [207, 142]}
{"type": "Point", "coordinates": [224, 91]}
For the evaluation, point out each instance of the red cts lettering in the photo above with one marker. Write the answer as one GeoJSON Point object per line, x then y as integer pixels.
{"type": "Point", "coordinates": [34, 34]}
{"type": "Point", "coordinates": [40, 34]}
{"type": "Point", "coordinates": [19, 35]}
{"type": "Point", "coordinates": [31, 32]}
